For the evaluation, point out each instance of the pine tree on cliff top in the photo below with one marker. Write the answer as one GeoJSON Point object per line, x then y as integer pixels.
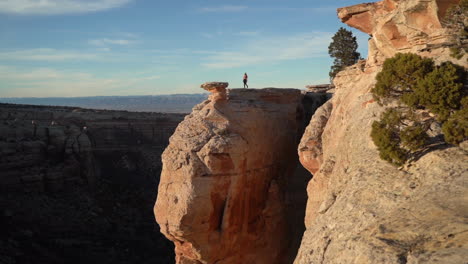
{"type": "Point", "coordinates": [343, 49]}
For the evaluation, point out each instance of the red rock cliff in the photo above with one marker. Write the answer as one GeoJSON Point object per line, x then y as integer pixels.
{"type": "Point", "coordinates": [225, 194]}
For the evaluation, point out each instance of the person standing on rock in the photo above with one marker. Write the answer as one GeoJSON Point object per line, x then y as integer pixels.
{"type": "Point", "coordinates": [245, 80]}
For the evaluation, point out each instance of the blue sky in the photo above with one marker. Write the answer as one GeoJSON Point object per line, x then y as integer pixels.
{"type": "Point", "coordinates": [149, 47]}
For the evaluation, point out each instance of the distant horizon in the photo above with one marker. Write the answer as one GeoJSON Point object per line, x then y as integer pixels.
{"type": "Point", "coordinates": [90, 96]}
{"type": "Point", "coordinates": [78, 48]}
{"type": "Point", "coordinates": [175, 103]}
{"type": "Point", "coordinates": [141, 95]}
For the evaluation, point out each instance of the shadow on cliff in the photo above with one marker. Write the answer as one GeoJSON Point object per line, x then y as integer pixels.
{"type": "Point", "coordinates": [72, 197]}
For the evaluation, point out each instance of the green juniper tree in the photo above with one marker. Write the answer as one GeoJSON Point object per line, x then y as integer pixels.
{"type": "Point", "coordinates": [421, 94]}
{"type": "Point", "coordinates": [456, 22]}
{"type": "Point", "coordinates": [343, 49]}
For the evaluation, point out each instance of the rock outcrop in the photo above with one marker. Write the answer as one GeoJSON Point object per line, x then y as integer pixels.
{"type": "Point", "coordinates": [321, 88]}
{"type": "Point", "coordinates": [229, 190]}
{"type": "Point", "coordinates": [362, 209]}
{"type": "Point", "coordinates": [402, 26]}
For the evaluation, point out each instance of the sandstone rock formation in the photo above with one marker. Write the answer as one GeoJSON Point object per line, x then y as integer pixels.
{"type": "Point", "coordinates": [224, 188]}
{"type": "Point", "coordinates": [402, 26]}
{"type": "Point", "coordinates": [321, 88]}
{"type": "Point", "coordinates": [229, 191]}
{"type": "Point", "coordinates": [217, 89]}
{"type": "Point", "coordinates": [362, 209]}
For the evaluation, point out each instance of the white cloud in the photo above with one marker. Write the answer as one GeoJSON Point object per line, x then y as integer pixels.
{"type": "Point", "coordinates": [239, 8]}
{"type": "Point", "coordinates": [48, 82]}
{"type": "Point", "coordinates": [327, 9]}
{"type": "Point", "coordinates": [207, 35]}
{"type": "Point", "coordinates": [106, 41]}
{"type": "Point", "coordinates": [44, 54]}
{"type": "Point", "coordinates": [55, 7]}
{"type": "Point", "coordinates": [213, 35]}
{"type": "Point", "coordinates": [149, 78]}
{"type": "Point", "coordinates": [271, 50]}
{"type": "Point", "coordinates": [248, 33]}
{"type": "Point", "coordinates": [225, 8]}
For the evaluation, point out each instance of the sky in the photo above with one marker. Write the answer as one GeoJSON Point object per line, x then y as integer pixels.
{"type": "Point", "coordinates": [68, 48]}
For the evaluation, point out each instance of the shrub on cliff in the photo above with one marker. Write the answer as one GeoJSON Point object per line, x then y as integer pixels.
{"type": "Point", "coordinates": [400, 75]}
{"type": "Point", "coordinates": [425, 94]}
{"type": "Point", "coordinates": [455, 21]}
{"type": "Point", "coordinates": [440, 91]}
{"type": "Point", "coordinates": [418, 83]}
{"type": "Point", "coordinates": [456, 128]}
{"type": "Point", "coordinates": [386, 136]}
{"type": "Point", "coordinates": [344, 49]}
{"type": "Point", "coordinates": [414, 137]}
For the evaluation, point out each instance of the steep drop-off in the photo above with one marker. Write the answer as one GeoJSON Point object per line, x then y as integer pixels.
{"type": "Point", "coordinates": [78, 185]}
{"type": "Point", "coordinates": [362, 209]}
{"type": "Point", "coordinates": [224, 192]}
{"type": "Point", "coordinates": [230, 189]}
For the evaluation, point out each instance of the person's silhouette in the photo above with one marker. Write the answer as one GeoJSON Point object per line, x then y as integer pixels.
{"type": "Point", "coordinates": [245, 80]}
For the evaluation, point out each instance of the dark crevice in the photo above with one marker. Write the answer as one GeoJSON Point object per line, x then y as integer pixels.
{"type": "Point", "coordinates": [325, 248]}
{"type": "Point", "coordinates": [402, 258]}
{"type": "Point", "coordinates": [297, 184]}
{"type": "Point", "coordinates": [221, 216]}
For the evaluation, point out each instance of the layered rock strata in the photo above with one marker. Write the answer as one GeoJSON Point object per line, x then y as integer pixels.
{"type": "Point", "coordinates": [77, 185]}
{"type": "Point", "coordinates": [362, 209]}
{"type": "Point", "coordinates": [403, 26]}
{"type": "Point", "coordinates": [320, 88]}
{"type": "Point", "coordinates": [48, 148]}
{"type": "Point", "coordinates": [229, 178]}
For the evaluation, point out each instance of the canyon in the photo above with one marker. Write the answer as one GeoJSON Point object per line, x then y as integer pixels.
{"type": "Point", "coordinates": [77, 185]}
{"type": "Point", "coordinates": [249, 176]}
{"type": "Point", "coordinates": [231, 180]}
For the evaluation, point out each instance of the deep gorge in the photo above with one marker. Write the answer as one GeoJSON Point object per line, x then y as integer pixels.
{"type": "Point", "coordinates": [71, 194]}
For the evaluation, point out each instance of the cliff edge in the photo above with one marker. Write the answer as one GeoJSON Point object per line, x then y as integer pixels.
{"type": "Point", "coordinates": [361, 209]}
{"type": "Point", "coordinates": [229, 189]}
{"type": "Point", "coordinates": [229, 185]}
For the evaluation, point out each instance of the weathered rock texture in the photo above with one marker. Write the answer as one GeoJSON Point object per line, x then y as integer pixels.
{"type": "Point", "coordinates": [402, 26]}
{"type": "Point", "coordinates": [47, 148]}
{"type": "Point", "coordinates": [321, 88]}
{"type": "Point", "coordinates": [229, 192]}
{"type": "Point", "coordinates": [69, 195]}
{"type": "Point", "coordinates": [362, 209]}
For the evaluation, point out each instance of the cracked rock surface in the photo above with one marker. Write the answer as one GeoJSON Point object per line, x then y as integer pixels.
{"type": "Point", "coordinates": [227, 193]}
{"type": "Point", "coordinates": [360, 208]}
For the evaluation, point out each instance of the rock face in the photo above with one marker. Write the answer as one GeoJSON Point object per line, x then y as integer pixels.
{"type": "Point", "coordinates": [217, 89]}
{"type": "Point", "coordinates": [48, 148]}
{"type": "Point", "coordinates": [229, 191]}
{"type": "Point", "coordinates": [321, 88]}
{"type": "Point", "coordinates": [402, 26]}
{"type": "Point", "coordinates": [362, 209]}
{"type": "Point", "coordinates": [75, 195]}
